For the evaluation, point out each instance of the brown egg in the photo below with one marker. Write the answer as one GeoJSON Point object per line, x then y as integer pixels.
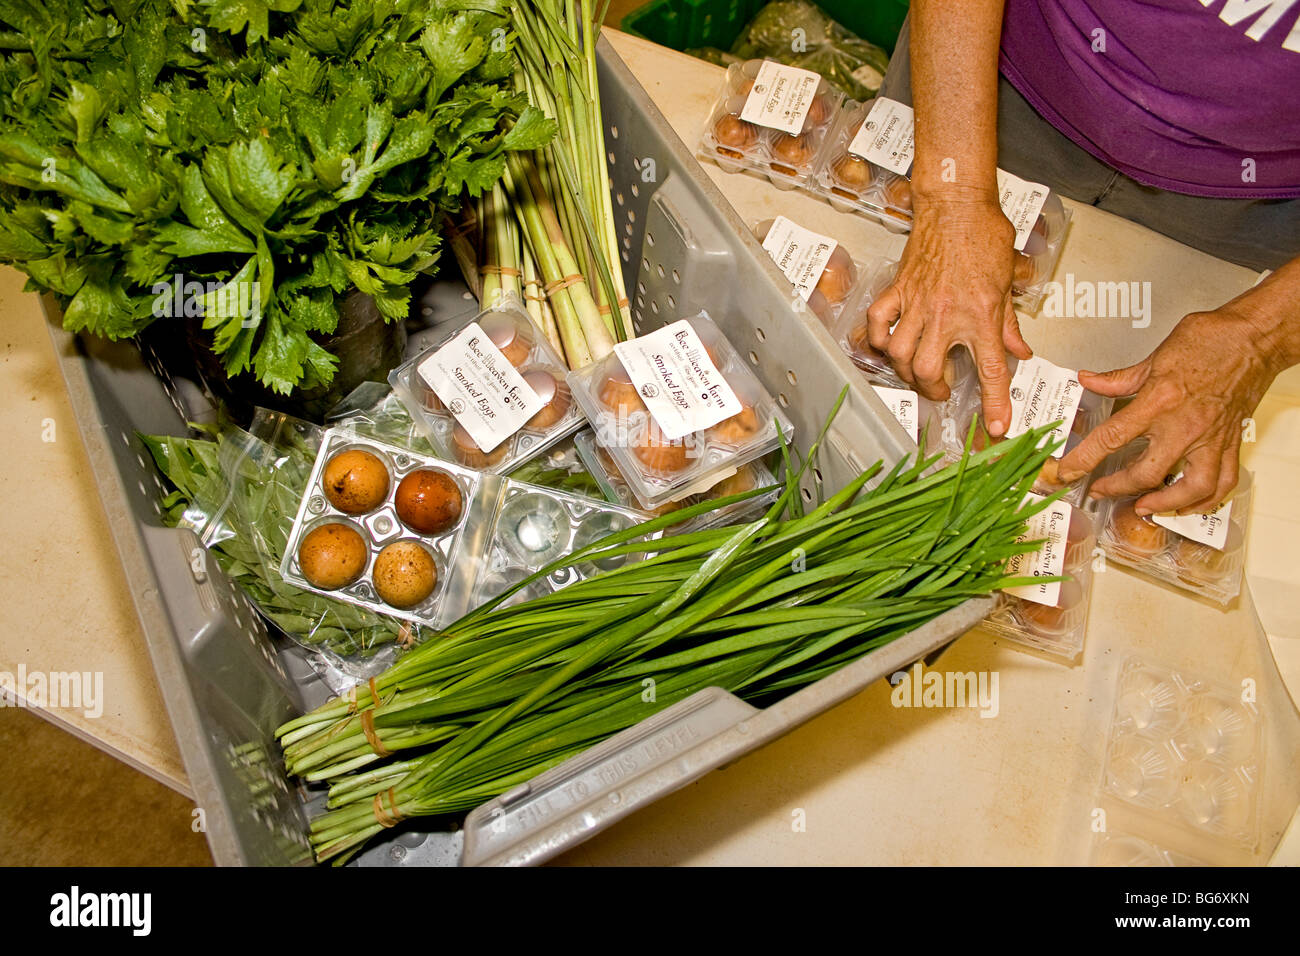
{"type": "Point", "coordinates": [554, 392]}
{"type": "Point", "coordinates": [1200, 561]}
{"type": "Point", "coordinates": [429, 399]}
{"type": "Point", "coordinates": [790, 154]}
{"type": "Point", "coordinates": [745, 479]}
{"type": "Point", "coordinates": [819, 111]}
{"type": "Point", "coordinates": [838, 276]}
{"type": "Point", "coordinates": [1140, 535]}
{"type": "Point", "coordinates": [898, 193]}
{"type": "Point", "coordinates": [734, 135]}
{"type": "Point", "coordinates": [469, 454]}
{"type": "Point", "coordinates": [332, 555]}
{"type": "Point", "coordinates": [660, 455]}
{"type": "Point", "coordinates": [859, 341]}
{"type": "Point", "coordinates": [1024, 271]}
{"type": "Point", "coordinates": [1042, 617]}
{"type": "Point", "coordinates": [404, 574]}
{"type": "Point", "coordinates": [853, 173]}
{"type": "Point", "coordinates": [355, 481]}
{"type": "Point", "coordinates": [429, 501]}
{"type": "Point", "coordinates": [510, 335]}
{"type": "Point", "coordinates": [617, 393]}
{"type": "Point", "coordinates": [739, 428]}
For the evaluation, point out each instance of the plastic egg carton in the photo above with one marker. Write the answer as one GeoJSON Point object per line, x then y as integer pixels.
{"type": "Point", "coordinates": [1185, 750]}
{"type": "Point", "coordinates": [1093, 409]}
{"type": "Point", "coordinates": [781, 143]}
{"type": "Point", "coordinates": [1159, 552]}
{"type": "Point", "coordinates": [1126, 849]}
{"type": "Point", "coordinates": [380, 526]}
{"type": "Point", "coordinates": [498, 356]}
{"type": "Point", "coordinates": [747, 477]}
{"type": "Point", "coordinates": [1059, 628]}
{"type": "Point", "coordinates": [851, 183]}
{"type": "Point", "coordinates": [689, 367]}
{"type": "Point", "coordinates": [534, 526]}
{"type": "Point", "coordinates": [1034, 265]}
{"type": "Point", "coordinates": [827, 282]}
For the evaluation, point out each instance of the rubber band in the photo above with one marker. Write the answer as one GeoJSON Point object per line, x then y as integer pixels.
{"type": "Point", "coordinates": [368, 728]}
{"type": "Point", "coordinates": [604, 309]}
{"type": "Point", "coordinates": [387, 819]}
{"type": "Point", "coordinates": [374, 693]}
{"type": "Point", "coordinates": [553, 287]}
{"type": "Point", "coordinates": [623, 303]}
{"type": "Point", "coordinates": [352, 699]}
{"type": "Point", "coordinates": [498, 271]}
{"type": "Point", "coordinates": [534, 298]}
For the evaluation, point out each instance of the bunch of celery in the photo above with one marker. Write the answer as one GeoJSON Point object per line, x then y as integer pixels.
{"type": "Point", "coordinates": [759, 609]}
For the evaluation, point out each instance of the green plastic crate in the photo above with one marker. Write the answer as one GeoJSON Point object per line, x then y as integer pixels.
{"type": "Point", "coordinates": [682, 24]}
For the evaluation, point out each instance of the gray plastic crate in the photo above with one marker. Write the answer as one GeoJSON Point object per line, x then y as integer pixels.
{"type": "Point", "coordinates": [227, 683]}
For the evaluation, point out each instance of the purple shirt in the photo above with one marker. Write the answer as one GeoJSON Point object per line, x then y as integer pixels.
{"type": "Point", "coordinates": [1193, 96]}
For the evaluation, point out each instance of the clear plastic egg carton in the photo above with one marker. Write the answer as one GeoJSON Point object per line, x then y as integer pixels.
{"type": "Point", "coordinates": [771, 119]}
{"type": "Point", "coordinates": [746, 478]}
{"type": "Point", "coordinates": [851, 183]}
{"type": "Point", "coordinates": [1186, 750]}
{"type": "Point", "coordinates": [690, 372]}
{"type": "Point", "coordinates": [533, 527]}
{"type": "Point", "coordinates": [823, 273]}
{"type": "Point", "coordinates": [486, 369]}
{"type": "Point", "coordinates": [1057, 629]}
{"type": "Point", "coordinates": [1143, 544]}
{"type": "Point", "coordinates": [1034, 265]}
{"type": "Point", "coordinates": [1126, 849]}
{"type": "Point", "coordinates": [850, 329]}
{"type": "Point", "coordinates": [1092, 410]}
{"type": "Point", "coordinates": [372, 523]}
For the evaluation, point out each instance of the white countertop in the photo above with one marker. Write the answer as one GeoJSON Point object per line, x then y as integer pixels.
{"type": "Point", "coordinates": [872, 783]}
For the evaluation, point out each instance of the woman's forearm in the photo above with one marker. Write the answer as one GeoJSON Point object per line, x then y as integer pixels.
{"type": "Point", "coordinates": [1273, 310]}
{"type": "Point", "coordinates": [954, 52]}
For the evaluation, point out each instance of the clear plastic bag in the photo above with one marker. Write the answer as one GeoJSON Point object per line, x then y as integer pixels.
{"type": "Point", "coordinates": [801, 34]}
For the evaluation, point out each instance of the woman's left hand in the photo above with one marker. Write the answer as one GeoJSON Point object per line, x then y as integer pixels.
{"type": "Point", "coordinates": [1192, 396]}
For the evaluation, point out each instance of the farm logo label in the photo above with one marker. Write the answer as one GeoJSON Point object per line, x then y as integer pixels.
{"type": "Point", "coordinates": [76, 909]}
{"type": "Point", "coordinates": [921, 688]}
{"type": "Point", "coordinates": [63, 690]}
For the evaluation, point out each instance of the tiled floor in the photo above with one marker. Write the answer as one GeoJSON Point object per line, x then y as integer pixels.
{"type": "Point", "coordinates": [64, 803]}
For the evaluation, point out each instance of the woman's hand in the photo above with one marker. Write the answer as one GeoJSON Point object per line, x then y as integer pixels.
{"type": "Point", "coordinates": [953, 287]}
{"type": "Point", "coordinates": [1192, 396]}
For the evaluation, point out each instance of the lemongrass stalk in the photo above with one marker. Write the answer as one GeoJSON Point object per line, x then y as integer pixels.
{"type": "Point", "coordinates": [489, 268]}
{"type": "Point", "coordinates": [538, 306]}
{"type": "Point", "coordinates": [576, 350]}
{"type": "Point", "coordinates": [585, 335]}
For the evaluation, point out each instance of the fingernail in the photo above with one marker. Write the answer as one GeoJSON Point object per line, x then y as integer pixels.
{"type": "Point", "coordinates": [1142, 512]}
{"type": "Point", "coordinates": [996, 428]}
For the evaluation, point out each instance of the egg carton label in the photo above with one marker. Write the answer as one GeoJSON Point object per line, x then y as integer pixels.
{"type": "Point", "coordinates": [484, 393]}
{"type": "Point", "coordinates": [781, 97]}
{"type": "Point", "coordinates": [1041, 393]}
{"type": "Point", "coordinates": [799, 253]}
{"type": "Point", "coordinates": [679, 383]}
{"type": "Point", "coordinates": [887, 137]}
{"type": "Point", "coordinates": [1022, 202]}
{"type": "Point", "coordinates": [1050, 525]}
{"type": "Point", "coordinates": [902, 404]}
{"type": "Point", "coordinates": [1209, 529]}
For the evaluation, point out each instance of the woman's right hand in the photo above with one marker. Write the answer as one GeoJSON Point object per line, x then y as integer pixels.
{"type": "Point", "coordinates": [953, 287]}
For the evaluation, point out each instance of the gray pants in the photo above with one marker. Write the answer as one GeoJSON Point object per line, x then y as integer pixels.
{"type": "Point", "coordinates": [1256, 233]}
